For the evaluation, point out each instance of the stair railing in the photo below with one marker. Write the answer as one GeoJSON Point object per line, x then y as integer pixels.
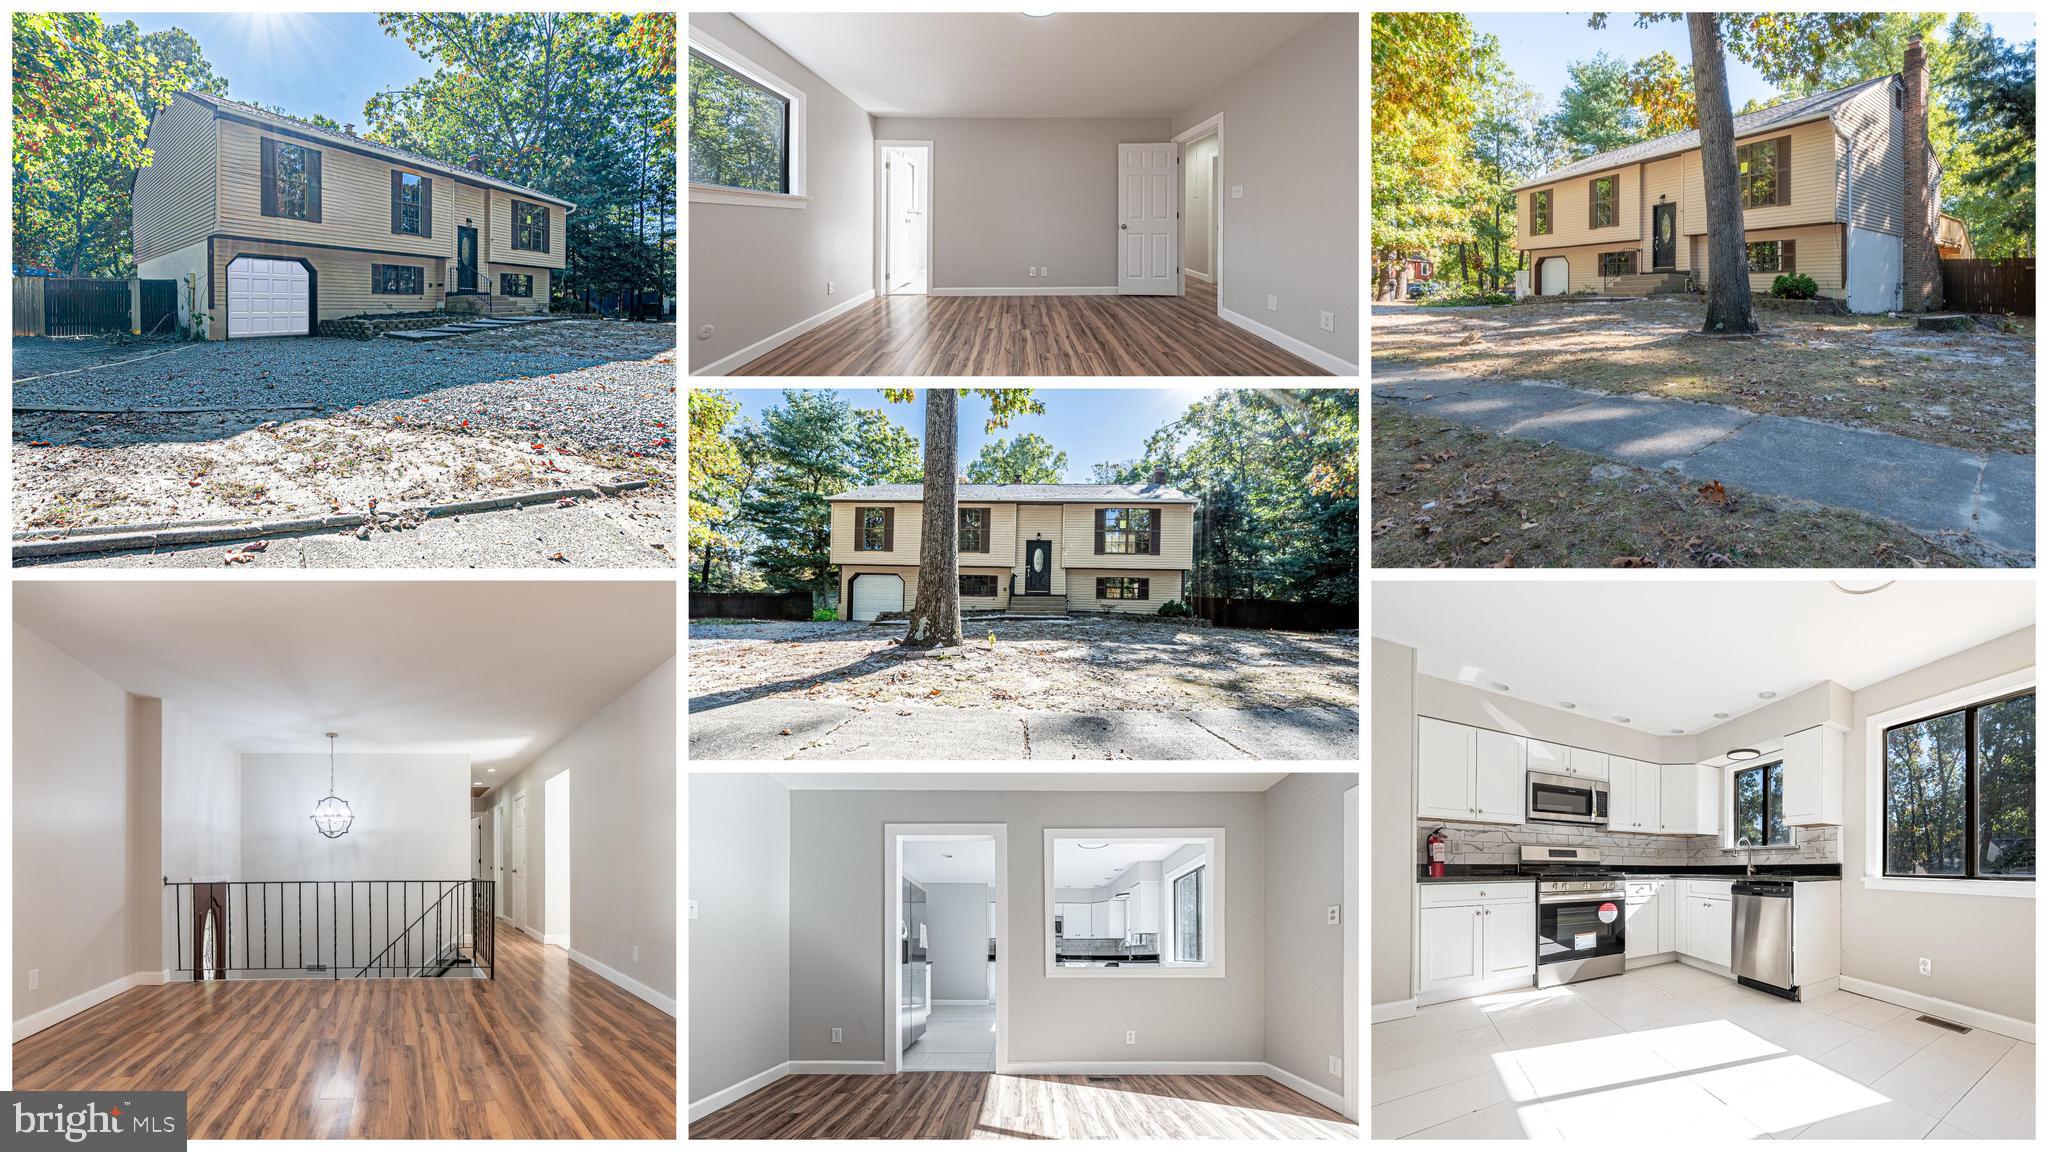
{"type": "Point", "coordinates": [329, 929]}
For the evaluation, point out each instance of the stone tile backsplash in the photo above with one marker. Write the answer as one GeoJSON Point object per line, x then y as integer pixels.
{"type": "Point", "coordinates": [1502, 844]}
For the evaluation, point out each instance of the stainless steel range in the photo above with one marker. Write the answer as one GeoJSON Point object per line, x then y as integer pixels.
{"type": "Point", "coordinates": [1581, 914]}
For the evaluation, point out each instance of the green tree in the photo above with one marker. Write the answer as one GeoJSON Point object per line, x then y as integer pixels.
{"type": "Point", "coordinates": [1511, 140]}
{"type": "Point", "coordinates": [807, 444]}
{"type": "Point", "coordinates": [716, 468]}
{"type": "Point", "coordinates": [1993, 87]}
{"type": "Point", "coordinates": [736, 131]}
{"type": "Point", "coordinates": [1594, 112]}
{"type": "Point", "coordinates": [883, 453]}
{"type": "Point", "coordinates": [1662, 91]}
{"type": "Point", "coordinates": [1028, 459]}
{"type": "Point", "coordinates": [1424, 67]}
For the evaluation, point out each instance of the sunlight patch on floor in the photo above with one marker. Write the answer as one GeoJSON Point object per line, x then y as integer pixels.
{"type": "Point", "coordinates": [1047, 1109]}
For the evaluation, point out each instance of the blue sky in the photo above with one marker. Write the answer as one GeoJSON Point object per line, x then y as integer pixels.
{"type": "Point", "coordinates": [326, 62]}
{"type": "Point", "coordinates": [1091, 425]}
{"type": "Point", "coordinates": [1538, 45]}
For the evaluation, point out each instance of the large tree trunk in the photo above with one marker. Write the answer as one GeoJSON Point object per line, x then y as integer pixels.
{"type": "Point", "coordinates": [1728, 305]}
{"type": "Point", "coordinates": [935, 615]}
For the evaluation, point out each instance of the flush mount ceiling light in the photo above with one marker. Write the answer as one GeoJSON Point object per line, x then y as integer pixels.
{"type": "Point", "coordinates": [1566, 704]}
{"type": "Point", "coordinates": [1121, 896]}
{"type": "Point", "coordinates": [1092, 845]}
{"type": "Point", "coordinates": [1720, 715]}
{"type": "Point", "coordinates": [1678, 731]}
{"type": "Point", "coordinates": [1621, 719]}
{"type": "Point", "coordinates": [947, 855]}
{"type": "Point", "coordinates": [1743, 753]}
{"type": "Point", "coordinates": [1038, 13]}
{"type": "Point", "coordinates": [332, 815]}
{"type": "Point", "coordinates": [1497, 686]}
{"type": "Point", "coordinates": [1860, 587]}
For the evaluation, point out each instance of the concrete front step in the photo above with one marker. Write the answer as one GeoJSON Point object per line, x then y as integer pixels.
{"type": "Point", "coordinates": [1647, 283]}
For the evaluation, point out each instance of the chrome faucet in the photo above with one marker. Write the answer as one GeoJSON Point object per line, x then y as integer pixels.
{"type": "Point", "coordinates": [1749, 856]}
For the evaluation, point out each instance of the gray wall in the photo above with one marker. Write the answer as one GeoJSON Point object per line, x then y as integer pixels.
{"type": "Point", "coordinates": [1982, 946]}
{"type": "Point", "coordinates": [1009, 195]}
{"type": "Point", "coordinates": [1393, 805]}
{"type": "Point", "coordinates": [837, 909]}
{"type": "Point", "coordinates": [754, 270]}
{"type": "Point", "coordinates": [1304, 953]}
{"type": "Point", "coordinates": [956, 916]}
{"type": "Point", "coordinates": [739, 943]}
{"type": "Point", "coordinates": [411, 816]}
{"type": "Point", "coordinates": [1290, 137]}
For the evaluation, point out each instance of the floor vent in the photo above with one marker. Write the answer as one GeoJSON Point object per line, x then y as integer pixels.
{"type": "Point", "coordinates": [1105, 1079]}
{"type": "Point", "coordinates": [1950, 1025]}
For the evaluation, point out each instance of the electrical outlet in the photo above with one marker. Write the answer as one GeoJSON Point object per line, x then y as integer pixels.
{"type": "Point", "coordinates": [693, 909]}
{"type": "Point", "coordinates": [1130, 1035]}
{"type": "Point", "coordinates": [636, 953]}
{"type": "Point", "coordinates": [35, 979]}
{"type": "Point", "coordinates": [836, 1037]}
{"type": "Point", "coordinates": [1045, 269]}
{"type": "Point", "coordinates": [1272, 302]}
{"type": "Point", "coordinates": [1329, 322]}
{"type": "Point", "coordinates": [704, 333]}
{"type": "Point", "coordinates": [1031, 271]}
{"type": "Point", "coordinates": [1926, 966]}
{"type": "Point", "coordinates": [1332, 913]}
{"type": "Point", "coordinates": [831, 286]}
{"type": "Point", "coordinates": [1336, 1066]}
{"type": "Point", "coordinates": [1237, 191]}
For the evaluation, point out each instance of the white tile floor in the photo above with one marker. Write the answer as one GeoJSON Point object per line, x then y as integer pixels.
{"type": "Point", "coordinates": [1671, 1050]}
{"type": "Point", "coordinates": [958, 1038]}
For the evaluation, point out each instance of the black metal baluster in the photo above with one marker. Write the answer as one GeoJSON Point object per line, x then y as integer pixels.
{"type": "Point", "coordinates": [245, 921]}
{"type": "Point", "coordinates": [299, 897]}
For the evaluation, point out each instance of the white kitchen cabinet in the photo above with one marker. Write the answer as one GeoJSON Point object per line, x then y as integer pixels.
{"type": "Point", "coordinates": [1508, 940]}
{"type": "Point", "coordinates": [1707, 799]}
{"type": "Point", "coordinates": [1593, 765]}
{"type": "Point", "coordinates": [1450, 942]}
{"type": "Point", "coordinates": [1444, 784]}
{"type": "Point", "coordinates": [1633, 791]}
{"type": "Point", "coordinates": [1667, 915]}
{"type": "Point", "coordinates": [1813, 776]}
{"type": "Point", "coordinates": [1545, 756]}
{"type": "Point", "coordinates": [1709, 922]}
{"type": "Point", "coordinates": [1098, 919]}
{"type": "Point", "coordinates": [1642, 937]}
{"type": "Point", "coordinates": [1475, 938]}
{"type": "Point", "coordinates": [1677, 799]}
{"type": "Point", "coordinates": [1147, 902]}
{"type": "Point", "coordinates": [1621, 798]}
{"type": "Point", "coordinates": [1119, 919]}
{"type": "Point", "coordinates": [1649, 794]}
{"type": "Point", "coordinates": [1500, 776]}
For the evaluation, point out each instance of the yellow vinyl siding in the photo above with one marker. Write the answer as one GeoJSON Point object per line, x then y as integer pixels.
{"type": "Point", "coordinates": [341, 285]}
{"type": "Point", "coordinates": [1040, 521]}
{"type": "Point", "coordinates": [1568, 212]}
{"type": "Point", "coordinates": [355, 200]}
{"type": "Point", "coordinates": [1817, 253]}
{"type": "Point", "coordinates": [909, 575]}
{"type": "Point", "coordinates": [500, 232]}
{"type": "Point", "coordinates": [502, 304]}
{"type": "Point", "coordinates": [1662, 180]}
{"type": "Point", "coordinates": [909, 530]}
{"type": "Point", "coordinates": [1584, 263]}
{"type": "Point", "coordinates": [1813, 182]}
{"type": "Point", "coordinates": [1081, 590]}
{"type": "Point", "coordinates": [1176, 538]}
{"type": "Point", "coordinates": [174, 197]}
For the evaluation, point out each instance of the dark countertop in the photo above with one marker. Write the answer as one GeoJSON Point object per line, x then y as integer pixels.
{"type": "Point", "coordinates": [1479, 873]}
{"type": "Point", "coordinates": [1473, 873]}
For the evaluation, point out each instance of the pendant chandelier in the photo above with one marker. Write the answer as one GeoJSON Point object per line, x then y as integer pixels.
{"type": "Point", "coordinates": [332, 815]}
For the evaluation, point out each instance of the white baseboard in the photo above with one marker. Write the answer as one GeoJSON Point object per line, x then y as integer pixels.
{"type": "Point", "coordinates": [1135, 1068]}
{"type": "Point", "coordinates": [533, 932]}
{"type": "Point", "coordinates": [752, 1084]}
{"type": "Point", "coordinates": [837, 1068]}
{"type": "Point", "coordinates": [665, 1003]}
{"type": "Point", "coordinates": [1393, 1010]}
{"type": "Point", "coordinates": [1202, 276]}
{"type": "Point", "coordinates": [936, 1003]}
{"type": "Point", "coordinates": [1947, 1010]}
{"type": "Point", "coordinates": [1303, 349]}
{"type": "Point", "coordinates": [761, 348]}
{"type": "Point", "coordinates": [58, 1013]}
{"type": "Point", "coordinates": [1334, 1101]}
{"type": "Point", "coordinates": [1109, 291]}
{"type": "Point", "coordinates": [561, 941]}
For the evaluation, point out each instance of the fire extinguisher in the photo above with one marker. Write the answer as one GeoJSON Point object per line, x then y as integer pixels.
{"type": "Point", "coordinates": [1438, 846]}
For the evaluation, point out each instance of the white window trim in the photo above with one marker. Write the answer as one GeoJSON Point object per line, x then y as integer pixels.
{"type": "Point", "coordinates": [1213, 896]}
{"type": "Point", "coordinates": [1771, 753]}
{"type": "Point", "coordinates": [1171, 934]}
{"type": "Point", "coordinates": [799, 132]}
{"type": "Point", "coordinates": [1874, 878]}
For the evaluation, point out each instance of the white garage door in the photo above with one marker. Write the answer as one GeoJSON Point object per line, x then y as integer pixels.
{"type": "Point", "coordinates": [1557, 276]}
{"type": "Point", "coordinates": [875, 593]}
{"type": "Point", "coordinates": [1876, 270]}
{"type": "Point", "coordinates": [268, 298]}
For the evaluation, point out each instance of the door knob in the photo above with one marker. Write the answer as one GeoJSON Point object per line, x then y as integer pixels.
{"type": "Point", "coordinates": [1123, 226]}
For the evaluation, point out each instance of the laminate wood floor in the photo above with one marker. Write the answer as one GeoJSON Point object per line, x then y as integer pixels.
{"type": "Point", "coordinates": [1032, 336]}
{"type": "Point", "coordinates": [984, 1106]}
{"type": "Point", "coordinates": [548, 1050]}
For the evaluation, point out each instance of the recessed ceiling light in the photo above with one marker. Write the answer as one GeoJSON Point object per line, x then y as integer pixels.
{"type": "Point", "coordinates": [476, 783]}
{"type": "Point", "coordinates": [1499, 687]}
{"type": "Point", "coordinates": [1743, 753]}
{"type": "Point", "coordinates": [1720, 715]}
{"type": "Point", "coordinates": [1093, 845]}
{"type": "Point", "coordinates": [490, 770]}
{"type": "Point", "coordinates": [947, 855]}
{"type": "Point", "coordinates": [1566, 704]}
{"type": "Point", "coordinates": [1860, 587]}
{"type": "Point", "coordinates": [1765, 695]}
{"type": "Point", "coordinates": [1038, 13]}
{"type": "Point", "coordinates": [1678, 731]}
{"type": "Point", "coordinates": [1621, 719]}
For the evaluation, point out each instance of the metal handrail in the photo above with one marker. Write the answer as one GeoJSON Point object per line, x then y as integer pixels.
{"type": "Point", "coordinates": [265, 926]}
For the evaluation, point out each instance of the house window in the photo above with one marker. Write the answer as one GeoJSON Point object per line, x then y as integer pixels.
{"type": "Point", "coordinates": [1759, 165]}
{"type": "Point", "coordinates": [397, 280]}
{"type": "Point", "coordinates": [1187, 916]}
{"type": "Point", "coordinates": [1763, 256]}
{"type": "Point", "coordinates": [409, 218]}
{"type": "Point", "coordinates": [875, 529]}
{"type": "Point", "coordinates": [1959, 793]}
{"type": "Point", "coordinates": [1759, 806]}
{"type": "Point", "coordinates": [1153, 897]}
{"type": "Point", "coordinates": [515, 283]}
{"type": "Point", "coordinates": [1123, 588]}
{"type": "Point", "coordinates": [529, 226]}
{"type": "Point", "coordinates": [1539, 213]}
{"type": "Point", "coordinates": [292, 185]}
{"type": "Point", "coordinates": [981, 586]}
{"type": "Point", "coordinates": [1601, 196]}
{"type": "Point", "coordinates": [746, 129]}
{"type": "Point", "coordinates": [1617, 263]}
{"type": "Point", "coordinates": [1126, 531]}
{"type": "Point", "coordinates": [974, 530]}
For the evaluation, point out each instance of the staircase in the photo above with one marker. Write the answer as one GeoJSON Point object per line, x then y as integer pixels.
{"type": "Point", "coordinates": [1038, 604]}
{"type": "Point", "coordinates": [1646, 284]}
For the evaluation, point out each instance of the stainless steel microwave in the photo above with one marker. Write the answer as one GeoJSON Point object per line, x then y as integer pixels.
{"type": "Point", "coordinates": [1566, 799]}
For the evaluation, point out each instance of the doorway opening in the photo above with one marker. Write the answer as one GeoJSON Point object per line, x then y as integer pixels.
{"type": "Point", "coordinates": [498, 854]}
{"type": "Point", "coordinates": [516, 895]}
{"type": "Point", "coordinates": [946, 983]}
{"type": "Point", "coordinates": [903, 198]}
{"type": "Point", "coordinates": [554, 853]}
{"type": "Point", "coordinates": [1203, 193]}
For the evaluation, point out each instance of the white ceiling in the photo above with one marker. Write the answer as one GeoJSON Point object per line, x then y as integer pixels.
{"type": "Point", "coordinates": [1006, 64]}
{"type": "Point", "coordinates": [1076, 867]}
{"type": "Point", "coordinates": [950, 861]}
{"type": "Point", "coordinates": [1030, 781]}
{"type": "Point", "coordinates": [1670, 654]}
{"type": "Point", "coordinates": [497, 669]}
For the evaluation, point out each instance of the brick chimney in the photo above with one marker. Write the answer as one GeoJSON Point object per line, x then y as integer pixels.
{"type": "Point", "coordinates": [1159, 477]}
{"type": "Point", "coordinates": [1923, 207]}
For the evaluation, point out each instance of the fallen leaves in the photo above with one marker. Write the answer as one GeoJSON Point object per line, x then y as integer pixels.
{"type": "Point", "coordinates": [1714, 492]}
{"type": "Point", "coordinates": [1631, 562]}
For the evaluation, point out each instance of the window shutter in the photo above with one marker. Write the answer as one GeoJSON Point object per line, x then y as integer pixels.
{"type": "Point", "coordinates": [888, 529]}
{"type": "Point", "coordinates": [547, 221]}
{"type": "Point", "coordinates": [1783, 193]}
{"type": "Point", "coordinates": [312, 186]}
{"type": "Point", "coordinates": [1144, 588]}
{"type": "Point", "coordinates": [397, 200]}
{"type": "Point", "coordinates": [1156, 518]}
{"type": "Point", "coordinates": [1592, 200]}
{"type": "Point", "coordinates": [1786, 264]}
{"type": "Point", "coordinates": [1098, 530]}
{"type": "Point", "coordinates": [427, 207]}
{"type": "Point", "coordinates": [269, 176]}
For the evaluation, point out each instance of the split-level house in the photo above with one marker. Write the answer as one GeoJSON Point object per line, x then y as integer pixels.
{"type": "Point", "coordinates": [272, 225]}
{"type": "Point", "coordinates": [1044, 548]}
{"type": "Point", "coordinates": [1842, 186]}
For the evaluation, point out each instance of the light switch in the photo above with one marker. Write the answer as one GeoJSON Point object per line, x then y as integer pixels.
{"type": "Point", "coordinates": [693, 909]}
{"type": "Point", "coordinates": [1237, 191]}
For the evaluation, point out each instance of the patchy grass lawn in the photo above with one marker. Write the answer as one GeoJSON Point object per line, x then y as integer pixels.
{"type": "Point", "coordinates": [1445, 495]}
{"type": "Point", "coordinates": [1971, 390]}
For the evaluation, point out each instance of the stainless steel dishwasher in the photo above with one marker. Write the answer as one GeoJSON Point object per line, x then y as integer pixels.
{"type": "Point", "coordinates": [1761, 944]}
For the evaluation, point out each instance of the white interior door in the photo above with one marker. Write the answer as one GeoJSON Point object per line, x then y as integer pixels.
{"type": "Point", "coordinates": [518, 894]}
{"type": "Point", "coordinates": [904, 204]}
{"type": "Point", "coordinates": [1148, 191]}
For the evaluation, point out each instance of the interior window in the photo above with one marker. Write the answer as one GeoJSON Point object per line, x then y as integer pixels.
{"type": "Point", "coordinates": [1959, 793]}
{"type": "Point", "coordinates": [739, 130]}
{"type": "Point", "coordinates": [1134, 902]}
{"type": "Point", "coordinates": [1759, 804]}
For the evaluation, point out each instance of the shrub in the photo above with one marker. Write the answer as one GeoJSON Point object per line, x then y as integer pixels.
{"type": "Point", "coordinates": [1795, 286]}
{"type": "Point", "coordinates": [823, 615]}
{"type": "Point", "coordinates": [1466, 300]}
{"type": "Point", "coordinates": [1175, 608]}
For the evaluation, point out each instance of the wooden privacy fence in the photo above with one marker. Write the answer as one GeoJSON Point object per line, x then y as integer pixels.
{"type": "Point", "coordinates": [1290, 615]}
{"type": "Point", "coordinates": [79, 306]}
{"type": "Point", "coordinates": [751, 605]}
{"type": "Point", "coordinates": [1988, 285]}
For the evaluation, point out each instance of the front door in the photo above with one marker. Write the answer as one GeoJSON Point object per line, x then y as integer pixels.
{"type": "Point", "coordinates": [1664, 236]}
{"type": "Point", "coordinates": [465, 259]}
{"type": "Point", "coordinates": [1148, 212]}
{"type": "Point", "coordinates": [1038, 566]}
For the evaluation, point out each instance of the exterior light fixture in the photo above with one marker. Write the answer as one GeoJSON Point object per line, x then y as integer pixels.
{"type": "Point", "coordinates": [1743, 753]}
{"type": "Point", "coordinates": [332, 815]}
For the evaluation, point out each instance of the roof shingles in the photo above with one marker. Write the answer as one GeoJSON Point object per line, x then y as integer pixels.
{"type": "Point", "coordinates": [1027, 493]}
